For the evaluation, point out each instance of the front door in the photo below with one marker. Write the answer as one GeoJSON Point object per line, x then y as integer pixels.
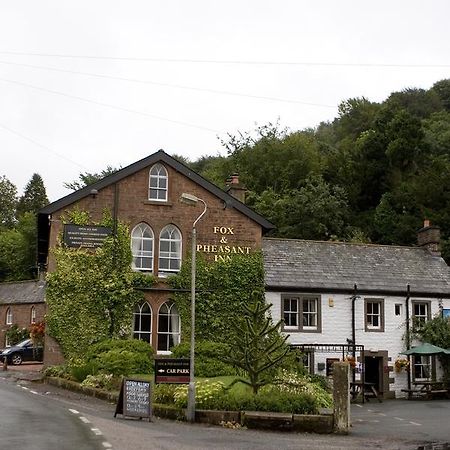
{"type": "Point", "coordinates": [373, 371]}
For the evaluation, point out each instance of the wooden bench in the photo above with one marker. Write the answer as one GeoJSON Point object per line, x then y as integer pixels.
{"type": "Point", "coordinates": [437, 392]}
{"type": "Point", "coordinates": [412, 392]}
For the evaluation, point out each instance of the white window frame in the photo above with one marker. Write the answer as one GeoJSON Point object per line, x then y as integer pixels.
{"type": "Point", "coordinates": [137, 245]}
{"type": "Point", "coordinates": [291, 313]}
{"type": "Point", "coordinates": [174, 327]}
{"type": "Point", "coordinates": [420, 318]}
{"type": "Point", "coordinates": [304, 316]}
{"type": "Point", "coordinates": [137, 315]}
{"type": "Point", "coordinates": [423, 367]}
{"type": "Point", "coordinates": [371, 314]}
{"type": "Point", "coordinates": [158, 183]}
{"type": "Point", "coordinates": [173, 258]}
{"type": "Point", "coordinates": [33, 315]}
{"type": "Point", "coordinates": [9, 316]}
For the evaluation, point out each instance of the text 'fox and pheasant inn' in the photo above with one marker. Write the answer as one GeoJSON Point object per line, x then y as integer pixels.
{"type": "Point", "coordinates": [223, 251]}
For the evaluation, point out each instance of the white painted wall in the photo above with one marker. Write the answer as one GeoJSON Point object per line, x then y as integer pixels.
{"type": "Point", "coordinates": [337, 328]}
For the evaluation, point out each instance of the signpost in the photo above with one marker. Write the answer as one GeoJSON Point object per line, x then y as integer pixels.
{"type": "Point", "coordinates": [171, 370]}
{"type": "Point", "coordinates": [86, 236]}
{"type": "Point", "coordinates": [135, 399]}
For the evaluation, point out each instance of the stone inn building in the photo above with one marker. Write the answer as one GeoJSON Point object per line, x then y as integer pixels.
{"type": "Point", "coordinates": [327, 293]}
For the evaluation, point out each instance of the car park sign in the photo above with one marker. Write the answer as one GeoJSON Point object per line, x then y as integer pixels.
{"type": "Point", "coordinates": [171, 370]}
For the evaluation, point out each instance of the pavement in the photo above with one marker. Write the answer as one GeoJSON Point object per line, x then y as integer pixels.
{"type": "Point", "coordinates": [393, 424]}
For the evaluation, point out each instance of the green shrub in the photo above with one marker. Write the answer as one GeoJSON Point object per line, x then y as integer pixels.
{"type": "Point", "coordinates": [205, 393]}
{"type": "Point", "coordinates": [207, 358]}
{"type": "Point", "coordinates": [99, 381]}
{"type": "Point", "coordinates": [80, 372]}
{"type": "Point", "coordinates": [121, 356]}
{"type": "Point", "coordinates": [16, 334]}
{"type": "Point", "coordinates": [164, 393]}
{"type": "Point", "coordinates": [212, 394]}
{"type": "Point", "coordinates": [57, 371]}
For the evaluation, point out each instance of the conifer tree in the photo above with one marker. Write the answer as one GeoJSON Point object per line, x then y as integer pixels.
{"type": "Point", "coordinates": [34, 197]}
{"type": "Point", "coordinates": [259, 349]}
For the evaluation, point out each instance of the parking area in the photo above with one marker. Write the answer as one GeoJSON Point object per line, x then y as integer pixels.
{"type": "Point", "coordinates": [424, 420]}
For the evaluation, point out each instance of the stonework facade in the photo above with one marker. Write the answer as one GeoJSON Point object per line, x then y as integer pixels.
{"type": "Point", "coordinates": [228, 227]}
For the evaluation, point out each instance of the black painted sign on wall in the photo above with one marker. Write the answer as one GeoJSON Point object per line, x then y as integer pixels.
{"type": "Point", "coordinates": [171, 370]}
{"type": "Point", "coordinates": [85, 236]}
{"type": "Point", "coordinates": [135, 399]}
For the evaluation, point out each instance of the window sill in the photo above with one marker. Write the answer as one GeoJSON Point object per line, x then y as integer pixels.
{"type": "Point", "coordinates": [159, 203]}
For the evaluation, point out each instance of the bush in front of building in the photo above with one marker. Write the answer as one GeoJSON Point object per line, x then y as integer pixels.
{"type": "Point", "coordinates": [121, 357]}
{"type": "Point", "coordinates": [208, 358]}
{"type": "Point", "coordinates": [15, 334]}
{"type": "Point", "coordinates": [213, 395]}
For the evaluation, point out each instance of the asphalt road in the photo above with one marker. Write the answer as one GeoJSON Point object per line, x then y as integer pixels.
{"type": "Point", "coordinates": [388, 425]}
{"type": "Point", "coordinates": [28, 421]}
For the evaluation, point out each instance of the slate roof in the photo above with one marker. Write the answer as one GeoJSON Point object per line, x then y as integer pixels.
{"type": "Point", "coordinates": [316, 266]}
{"type": "Point", "coordinates": [21, 292]}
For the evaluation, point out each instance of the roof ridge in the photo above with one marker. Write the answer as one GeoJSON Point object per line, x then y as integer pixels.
{"type": "Point", "coordinates": [361, 244]}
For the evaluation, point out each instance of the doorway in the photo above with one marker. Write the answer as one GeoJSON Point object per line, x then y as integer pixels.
{"type": "Point", "coordinates": [373, 369]}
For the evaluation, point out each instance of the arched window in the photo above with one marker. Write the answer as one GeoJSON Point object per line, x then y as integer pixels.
{"type": "Point", "coordinates": [9, 317]}
{"type": "Point", "coordinates": [142, 328]}
{"type": "Point", "coordinates": [33, 315]}
{"type": "Point", "coordinates": [142, 248]}
{"type": "Point", "coordinates": [157, 186]}
{"type": "Point", "coordinates": [169, 249]}
{"type": "Point", "coordinates": [168, 327]}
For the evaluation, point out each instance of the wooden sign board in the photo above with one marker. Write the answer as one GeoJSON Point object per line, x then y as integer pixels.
{"type": "Point", "coordinates": [172, 370]}
{"type": "Point", "coordinates": [135, 399]}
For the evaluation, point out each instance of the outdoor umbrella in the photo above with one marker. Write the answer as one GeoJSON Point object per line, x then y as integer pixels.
{"type": "Point", "coordinates": [426, 349]}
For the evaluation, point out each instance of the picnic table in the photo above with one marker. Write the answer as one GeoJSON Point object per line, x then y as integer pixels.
{"type": "Point", "coordinates": [427, 388]}
{"type": "Point", "coordinates": [370, 390]}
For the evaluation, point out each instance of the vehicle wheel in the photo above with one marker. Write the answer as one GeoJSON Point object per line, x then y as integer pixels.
{"type": "Point", "coordinates": [16, 359]}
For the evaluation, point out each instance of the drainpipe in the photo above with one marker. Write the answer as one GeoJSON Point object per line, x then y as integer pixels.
{"type": "Point", "coordinates": [408, 337]}
{"type": "Point", "coordinates": [355, 290]}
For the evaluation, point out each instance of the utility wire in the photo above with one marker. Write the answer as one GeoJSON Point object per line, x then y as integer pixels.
{"type": "Point", "coordinates": [48, 149]}
{"type": "Point", "coordinates": [108, 105]}
{"type": "Point", "coordinates": [218, 61]}
{"type": "Point", "coordinates": [177, 86]}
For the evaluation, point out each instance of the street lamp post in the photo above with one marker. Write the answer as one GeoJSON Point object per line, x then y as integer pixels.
{"type": "Point", "coordinates": [192, 200]}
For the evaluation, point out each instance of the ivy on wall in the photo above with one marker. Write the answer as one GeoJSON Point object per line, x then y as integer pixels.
{"type": "Point", "coordinates": [222, 290]}
{"type": "Point", "coordinates": [91, 294]}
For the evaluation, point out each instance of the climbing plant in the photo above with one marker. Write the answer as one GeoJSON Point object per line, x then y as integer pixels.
{"type": "Point", "coordinates": [222, 291]}
{"type": "Point", "coordinates": [91, 293]}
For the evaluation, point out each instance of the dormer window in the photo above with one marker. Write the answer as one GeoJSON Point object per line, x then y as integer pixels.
{"type": "Point", "coordinates": [158, 181]}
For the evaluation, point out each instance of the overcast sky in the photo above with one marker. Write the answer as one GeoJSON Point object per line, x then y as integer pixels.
{"type": "Point", "coordinates": [87, 84]}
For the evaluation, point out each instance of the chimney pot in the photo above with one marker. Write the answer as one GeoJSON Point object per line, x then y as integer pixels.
{"type": "Point", "coordinates": [429, 237]}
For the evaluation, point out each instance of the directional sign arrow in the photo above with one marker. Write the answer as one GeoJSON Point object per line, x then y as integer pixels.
{"type": "Point", "coordinates": [161, 370]}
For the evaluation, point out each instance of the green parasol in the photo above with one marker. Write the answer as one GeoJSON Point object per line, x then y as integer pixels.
{"type": "Point", "coordinates": [426, 349]}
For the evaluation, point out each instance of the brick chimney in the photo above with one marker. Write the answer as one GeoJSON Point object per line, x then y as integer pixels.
{"type": "Point", "coordinates": [429, 237]}
{"type": "Point", "coordinates": [236, 189]}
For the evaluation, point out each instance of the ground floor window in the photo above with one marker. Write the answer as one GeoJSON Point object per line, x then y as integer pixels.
{"type": "Point", "coordinates": [308, 362]}
{"type": "Point", "coordinates": [143, 322]}
{"type": "Point", "coordinates": [422, 367]}
{"type": "Point", "coordinates": [168, 327]}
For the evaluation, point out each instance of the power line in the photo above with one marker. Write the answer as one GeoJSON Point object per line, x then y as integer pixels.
{"type": "Point", "coordinates": [177, 86]}
{"type": "Point", "coordinates": [38, 144]}
{"type": "Point", "coordinates": [232, 62]}
{"type": "Point", "coordinates": [108, 105]}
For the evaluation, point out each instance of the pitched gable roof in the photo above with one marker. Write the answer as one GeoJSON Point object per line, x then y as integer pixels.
{"type": "Point", "coordinates": [159, 156]}
{"type": "Point", "coordinates": [336, 267]}
{"type": "Point", "coordinates": [21, 292]}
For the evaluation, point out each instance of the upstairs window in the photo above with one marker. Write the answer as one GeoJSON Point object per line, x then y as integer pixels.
{"type": "Point", "coordinates": [169, 250]}
{"type": "Point", "coordinates": [301, 313]}
{"type": "Point", "coordinates": [420, 313]}
{"type": "Point", "coordinates": [143, 322]}
{"type": "Point", "coordinates": [142, 248]}
{"type": "Point", "coordinates": [374, 312]}
{"type": "Point", "coordinates": [157, 186]}
{"type": "Point", "coordinates": [9, 317]}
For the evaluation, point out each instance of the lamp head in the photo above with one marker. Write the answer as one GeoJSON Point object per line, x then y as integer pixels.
{"type": "Point", "coordinates": [189, 199]}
